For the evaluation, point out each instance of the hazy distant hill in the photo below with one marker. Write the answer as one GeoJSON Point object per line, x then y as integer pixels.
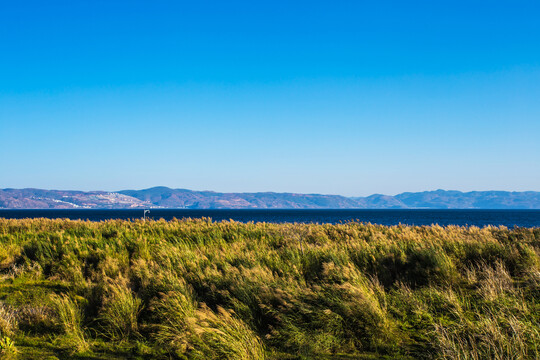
{"type": "Point", "coordinates": [445, 199]}
{"type": "Point", "coordinates": [442, 199]}
{"type": "Point", "coordinates": [182, 198]}
{"type": "Point", "coordinates": [66, 199]}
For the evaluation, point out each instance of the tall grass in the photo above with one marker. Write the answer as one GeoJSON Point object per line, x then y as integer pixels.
{"type": "Point", "coordinates": [120, 310]}
{"type": "Point", "coordinates": [197, 289]}
{"type": "Point", "coordinates": [70, 316]}
{"type": "Point", "coordinates": [195, 331]}
{"type": "Point", "coordinates": [8, 320]}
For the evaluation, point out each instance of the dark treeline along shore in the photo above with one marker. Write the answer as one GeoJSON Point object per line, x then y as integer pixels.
{"type": "Point", "coordinates": [197, 289]}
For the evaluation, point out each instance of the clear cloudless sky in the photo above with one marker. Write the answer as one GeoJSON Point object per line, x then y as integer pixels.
{"type": "Point", "coordinates": [338, 97]}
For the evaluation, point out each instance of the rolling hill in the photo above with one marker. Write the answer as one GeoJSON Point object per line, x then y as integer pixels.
{"type": "Point", "coordinates": [164, 197]}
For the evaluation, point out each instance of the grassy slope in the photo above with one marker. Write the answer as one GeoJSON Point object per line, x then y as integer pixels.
{"type": "Point", "coordinates": [200, 290]}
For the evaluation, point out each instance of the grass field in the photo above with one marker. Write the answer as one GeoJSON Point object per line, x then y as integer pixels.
{"type": "Point", "coordinates": [196, 289]}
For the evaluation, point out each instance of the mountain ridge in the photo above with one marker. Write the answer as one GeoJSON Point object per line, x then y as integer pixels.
{"type": "Point", "coordinates": [164, 197]}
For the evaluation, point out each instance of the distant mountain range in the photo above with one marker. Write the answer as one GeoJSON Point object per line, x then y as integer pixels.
{"type": "Point", "coordinates": [163, 197]}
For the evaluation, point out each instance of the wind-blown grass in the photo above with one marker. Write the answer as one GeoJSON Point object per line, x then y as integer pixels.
{"type": "Point", "coordinates": [197, 289]}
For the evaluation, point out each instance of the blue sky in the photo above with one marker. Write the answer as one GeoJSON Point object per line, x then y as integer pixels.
{"type": "Point", "coordinates": [346, 97]}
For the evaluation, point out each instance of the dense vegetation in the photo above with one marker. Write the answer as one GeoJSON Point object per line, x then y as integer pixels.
{"type": "Point", "coordinates": [194, 289]}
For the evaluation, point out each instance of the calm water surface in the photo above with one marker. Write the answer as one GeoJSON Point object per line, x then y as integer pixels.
{"type": "Point", "coordinates": [509, 218]}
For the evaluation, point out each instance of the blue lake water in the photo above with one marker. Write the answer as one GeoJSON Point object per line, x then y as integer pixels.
{"type": "Point", "coordinates": [509, 218]}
